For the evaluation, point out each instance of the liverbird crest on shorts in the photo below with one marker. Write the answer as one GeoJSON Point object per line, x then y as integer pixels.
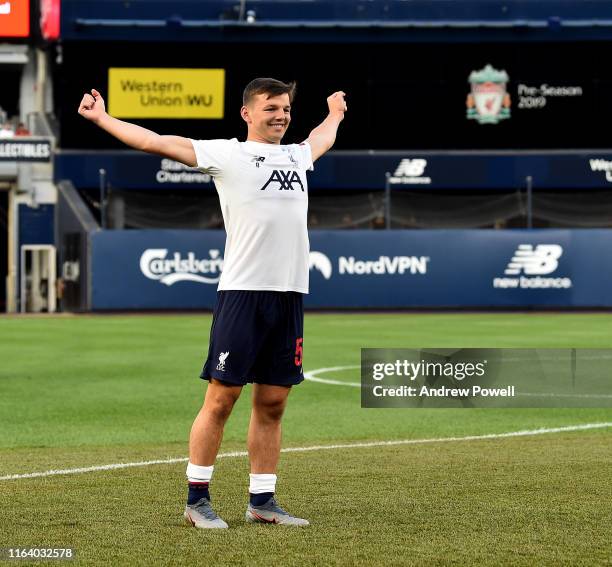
{"type": "Point", "coordinates": [222, 357]}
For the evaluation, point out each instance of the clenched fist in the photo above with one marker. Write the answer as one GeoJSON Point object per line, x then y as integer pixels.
{"type": "Point", "coordinates": [336, 103]}
{"type": "Point", "coordinates": [92, 106]}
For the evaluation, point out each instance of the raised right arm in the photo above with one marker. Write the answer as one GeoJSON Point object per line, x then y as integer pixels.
{"type": "Point", "coordinates": [173, 147]}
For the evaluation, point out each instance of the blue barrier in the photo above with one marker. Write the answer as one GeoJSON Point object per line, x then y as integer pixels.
{"type": "Point", "coordinates": [363, 170]}
{"type": "Point", "coordinates": [178, 269]}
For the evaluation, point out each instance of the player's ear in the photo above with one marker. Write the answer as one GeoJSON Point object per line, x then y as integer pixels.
{"type": "Point", "coordinates": [244, 112]}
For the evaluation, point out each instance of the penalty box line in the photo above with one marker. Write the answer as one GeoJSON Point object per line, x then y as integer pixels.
{"type": "Point", "coordinates": [116, 466]}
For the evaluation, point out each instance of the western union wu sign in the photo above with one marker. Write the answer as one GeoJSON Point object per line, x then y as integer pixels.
{"type": "Point", "coordinates": [166, 93]}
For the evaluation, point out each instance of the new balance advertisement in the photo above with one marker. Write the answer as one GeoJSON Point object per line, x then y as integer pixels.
{"type": "Point", "coordinates": [180, 269]}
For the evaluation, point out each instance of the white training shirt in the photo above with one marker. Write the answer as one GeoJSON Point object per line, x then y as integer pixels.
{"type": "Point", "coordinates": [264, 201]}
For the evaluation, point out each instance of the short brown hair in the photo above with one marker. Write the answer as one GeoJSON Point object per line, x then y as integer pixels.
{"type": "Point", "coordinates": [270, 87]}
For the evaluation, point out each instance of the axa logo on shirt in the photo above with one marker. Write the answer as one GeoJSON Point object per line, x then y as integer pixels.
{"type": "Point", "coordinates": [283, 180]}
{"type": "Point", "coordinates": [384, 265]}
{"type": "Point", "coordinates": [533, 262]}
{"type": "Point", "coordinates": [156, 265]}
{"type": "Point", "coordinates": [411, 172]}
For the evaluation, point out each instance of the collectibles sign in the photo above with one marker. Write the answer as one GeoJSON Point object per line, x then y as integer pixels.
{"type": "Point", "coordinates": [180, 269]}
{"type": "Point", "coordinates": [166, 93]}
{"type": "Point", "coordinates": [25, 150]}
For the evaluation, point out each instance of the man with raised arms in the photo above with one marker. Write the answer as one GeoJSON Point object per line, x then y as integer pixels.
{"type": "Point", "coordinates": [257, 328]}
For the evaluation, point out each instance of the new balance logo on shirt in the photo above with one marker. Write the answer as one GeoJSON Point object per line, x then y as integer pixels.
{"type": "Point", "coordinates": [284, 180]}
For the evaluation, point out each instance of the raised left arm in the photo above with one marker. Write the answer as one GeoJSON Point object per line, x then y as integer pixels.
{"type": "Point", "coordinates": [322, 138]}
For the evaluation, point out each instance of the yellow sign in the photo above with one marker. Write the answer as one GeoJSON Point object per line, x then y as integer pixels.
{"type": "Point", "coordinates": [166, 93]}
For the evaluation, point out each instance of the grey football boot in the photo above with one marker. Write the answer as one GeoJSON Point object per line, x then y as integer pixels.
{"type": "Point", "coordinates": [272, 513]}
{"type": "Point", "coordinates": [201, 515]}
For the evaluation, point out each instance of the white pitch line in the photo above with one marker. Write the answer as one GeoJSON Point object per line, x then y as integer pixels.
{"type": "Point", "coordinates": [312, 376]}
{"type": "Point", "coordinates": [523, 433]}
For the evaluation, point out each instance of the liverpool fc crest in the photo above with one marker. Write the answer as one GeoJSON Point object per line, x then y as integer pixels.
{"type": "Point", "coordinates": [488, 101]}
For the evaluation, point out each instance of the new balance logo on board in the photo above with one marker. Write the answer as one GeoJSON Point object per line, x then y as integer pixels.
{"type": "Point", "coordinates": [527, 266]}
{"type": "Point", "coordinates": [410, 168]}
{"type": "Point", "coordinates": [543, 259]}
{"type": "Point", "coordinates": [410, 172]}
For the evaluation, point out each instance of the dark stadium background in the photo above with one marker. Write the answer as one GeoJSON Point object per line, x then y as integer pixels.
{"type": "Point", "coordinates": [401, 95]}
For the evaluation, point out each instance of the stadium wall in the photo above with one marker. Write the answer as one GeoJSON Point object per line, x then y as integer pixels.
{"type": "Point", "coordinates": [354, 170]}
{"type": "Point", "coordinates": [179, 269]}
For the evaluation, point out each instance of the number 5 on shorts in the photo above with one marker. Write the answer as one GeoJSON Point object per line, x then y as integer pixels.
{"type": "Point", "coordinates": [299, 350]}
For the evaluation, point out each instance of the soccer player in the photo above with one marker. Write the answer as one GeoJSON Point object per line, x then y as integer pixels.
{"type": "Point", "coordinates": [257, 328]}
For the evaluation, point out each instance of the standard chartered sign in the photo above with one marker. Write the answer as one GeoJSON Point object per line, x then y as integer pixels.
{"type": "Point", "coordinates": [171, 171]}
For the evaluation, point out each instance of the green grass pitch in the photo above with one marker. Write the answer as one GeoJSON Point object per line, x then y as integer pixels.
{"type": "Point", "coordinates": [93, 390]}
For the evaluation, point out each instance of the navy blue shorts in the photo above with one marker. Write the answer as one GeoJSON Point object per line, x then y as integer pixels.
{"type": "Point", "coordinates": [256, 336]}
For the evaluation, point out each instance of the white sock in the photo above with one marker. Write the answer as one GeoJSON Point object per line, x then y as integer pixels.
{"type": "Point", "coordinates": [198, 473]}
{"type": "Point", "coordinates": [260, 483]}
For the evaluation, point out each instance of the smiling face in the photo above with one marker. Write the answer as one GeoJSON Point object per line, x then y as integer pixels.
{"type": "Point", "coordinates": [267, 117]}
